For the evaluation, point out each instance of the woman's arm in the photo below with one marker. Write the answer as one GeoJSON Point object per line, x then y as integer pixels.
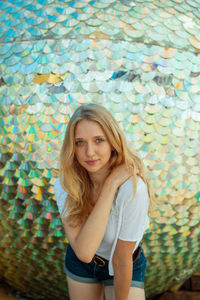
{"type": "Point", "coordinates": [123, 268]}
{"type": "Point", "coordinates": [86, 239]}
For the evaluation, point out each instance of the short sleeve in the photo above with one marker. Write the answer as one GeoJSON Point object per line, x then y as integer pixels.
{"type": "Point", "coordinates": [135, 213]}
{"type": "Point", "coordinates": [60, 195]}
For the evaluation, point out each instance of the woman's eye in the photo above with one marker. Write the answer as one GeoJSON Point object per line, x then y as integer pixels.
{"type": "Point", "coordinates": [99, 140]}
{"type": "Point", "coordinates": [79, 143]}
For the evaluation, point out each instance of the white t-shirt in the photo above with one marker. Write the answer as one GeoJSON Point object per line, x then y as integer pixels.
{"type": "Point", "coordinates": [127, 221]}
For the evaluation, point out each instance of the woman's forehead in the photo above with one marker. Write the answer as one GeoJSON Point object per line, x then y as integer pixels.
{"type": "Point", "coordinates": [88, 128]}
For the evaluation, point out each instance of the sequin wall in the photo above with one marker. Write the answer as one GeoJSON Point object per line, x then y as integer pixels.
{"type": "Point", "coordinates": [141, 60]}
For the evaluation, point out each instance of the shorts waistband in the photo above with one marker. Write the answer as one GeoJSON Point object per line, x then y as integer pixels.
{"type": "Point", "coordinates": [102, 262]}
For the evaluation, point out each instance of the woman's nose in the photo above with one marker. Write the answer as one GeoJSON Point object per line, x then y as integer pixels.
{"type": "Point", "coordinates": [90, 149]}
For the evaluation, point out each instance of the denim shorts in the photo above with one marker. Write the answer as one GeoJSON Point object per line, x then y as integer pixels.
{"type": "Point", "coordinates": [92, 273]}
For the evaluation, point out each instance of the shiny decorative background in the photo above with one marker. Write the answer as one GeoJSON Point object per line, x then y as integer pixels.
{"type": "Point", "coordinates": [141, 60]}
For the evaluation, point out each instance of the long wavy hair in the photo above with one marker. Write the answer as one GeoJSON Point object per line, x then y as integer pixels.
{"type": "Point", "coordinates": [75, 179]}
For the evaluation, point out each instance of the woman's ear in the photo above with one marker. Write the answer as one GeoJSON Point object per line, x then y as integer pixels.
{"type": "Point", "coordinates": [113, 151]}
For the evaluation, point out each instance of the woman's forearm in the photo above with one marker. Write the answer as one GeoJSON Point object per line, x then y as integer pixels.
{"type": "Point", "coordinates": [122, 279]}
{"type": "Point", "coordinates": [91, 234]}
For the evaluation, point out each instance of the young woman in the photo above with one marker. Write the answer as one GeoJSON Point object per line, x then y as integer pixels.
{"type": "Point", "coordinates": [103, 198]}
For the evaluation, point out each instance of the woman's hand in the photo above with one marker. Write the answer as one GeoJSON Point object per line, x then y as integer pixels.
{"type": "Point", "coordinates": [119, 175]}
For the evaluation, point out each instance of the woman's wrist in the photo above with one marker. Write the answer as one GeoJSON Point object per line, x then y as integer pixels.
{"type": "Point", "coordinates": [112, 183]}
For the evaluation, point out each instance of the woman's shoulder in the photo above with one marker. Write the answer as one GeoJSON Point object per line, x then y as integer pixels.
{"type": "Point", "coordinates": [126, 193]}
{"type": "Point", "coordinates": [125, 203]}
{"type": "Point", "coordinates": [60, 195]}
{"type": "Point", "coordinates": [58, 189]}
{"type": "Point", "coordinates": [57, 185]}
{"type": "Point", "coordinates": [128, 185]}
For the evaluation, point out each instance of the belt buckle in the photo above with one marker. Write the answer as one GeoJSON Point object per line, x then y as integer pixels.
{"type": "Point", "coordinates": [99, 261]}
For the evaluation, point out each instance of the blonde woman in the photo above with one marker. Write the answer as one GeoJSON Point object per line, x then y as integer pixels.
{"type": "Point", "coordinates": [103, 198]}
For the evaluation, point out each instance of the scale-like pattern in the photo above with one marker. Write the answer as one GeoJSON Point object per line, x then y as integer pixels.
{"type": "Point", "coordinates": [141, 60]}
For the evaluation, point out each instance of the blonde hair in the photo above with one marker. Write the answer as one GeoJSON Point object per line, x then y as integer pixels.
{"type": "Point", "coordinates": [75, 179]}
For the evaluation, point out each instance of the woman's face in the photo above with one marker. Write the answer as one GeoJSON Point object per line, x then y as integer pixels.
{"type": "Point", "coordinates": [92, 148]}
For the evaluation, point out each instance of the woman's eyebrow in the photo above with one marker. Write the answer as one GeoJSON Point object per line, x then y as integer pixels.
{"type": "Point", "coordinates": [98, 136]}
{"type": "Point", "coordinates": [94, 137]}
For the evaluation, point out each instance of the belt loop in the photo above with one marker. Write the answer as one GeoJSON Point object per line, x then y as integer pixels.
{"type": "Point", "coordinates": [136, 253]}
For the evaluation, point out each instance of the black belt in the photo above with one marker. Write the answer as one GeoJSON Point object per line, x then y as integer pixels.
{"type": "Point", "coordinates": [102, 262]}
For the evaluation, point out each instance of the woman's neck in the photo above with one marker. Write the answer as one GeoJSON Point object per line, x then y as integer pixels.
{"type": "Point", "coordinates": [98, 178]}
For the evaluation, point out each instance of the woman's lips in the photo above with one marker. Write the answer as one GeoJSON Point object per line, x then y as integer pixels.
{"type": "Point", "coordinates": [91, 162]}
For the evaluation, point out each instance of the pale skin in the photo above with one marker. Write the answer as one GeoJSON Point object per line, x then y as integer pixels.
{"type": "Point", "coordinates": [93, 152]}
